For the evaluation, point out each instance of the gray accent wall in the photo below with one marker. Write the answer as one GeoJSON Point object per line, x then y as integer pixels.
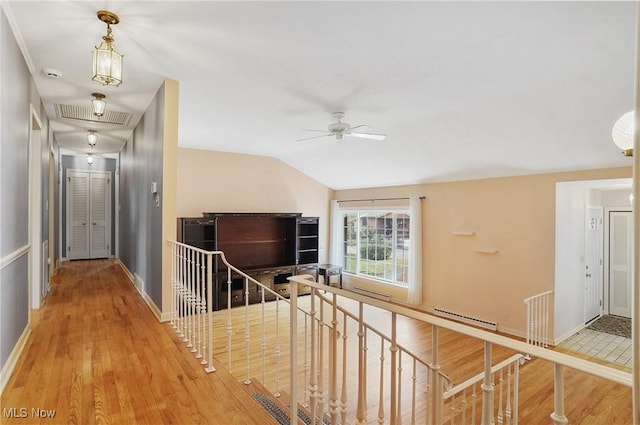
{"type": "Point", "coordinates": [140, 219]}
{"type": "Point", "coordinates": [15, 83]}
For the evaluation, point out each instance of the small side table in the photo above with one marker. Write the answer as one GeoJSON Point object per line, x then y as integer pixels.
{"type": "Point", "coordinates": [328, 270]}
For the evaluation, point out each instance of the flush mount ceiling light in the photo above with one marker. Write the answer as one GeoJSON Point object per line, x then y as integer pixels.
{"type": "Point", "coordinates": [98, 103]}
{"type": "Point", "coordinates": [107, 63]}
{"type": "Point", "coordinates": [92, 138]}
{"type": "Point", "coordinates": [623, 133]}
{"type": "Point", "coordinates": [89, 159]}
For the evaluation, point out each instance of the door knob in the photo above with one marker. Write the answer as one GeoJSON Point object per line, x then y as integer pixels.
{"type": "Point", "coordinates": [588, 275]}
{"type": "Point", "coordinates": [94, 223]}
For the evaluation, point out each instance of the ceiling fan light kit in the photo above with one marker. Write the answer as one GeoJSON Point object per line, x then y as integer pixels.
{"type": "Point", "coordinates": [340, 129]}
{"type": "Point", "coordinates": [107, 63]}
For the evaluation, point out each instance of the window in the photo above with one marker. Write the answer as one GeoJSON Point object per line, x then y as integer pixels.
{"type": "Point", "coordinates": [376, 244]}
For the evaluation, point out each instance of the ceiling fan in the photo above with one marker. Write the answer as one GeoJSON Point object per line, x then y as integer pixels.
{"type": "Point", "coordinates": [340, 129]}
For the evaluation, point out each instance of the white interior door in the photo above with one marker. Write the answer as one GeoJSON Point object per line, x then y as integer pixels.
{"type": "Point", "coordinates": [620, 263]}
{"type": "Point", "coordinates": [100, 230]}
{"type": "Point", "coordinates": [78, 215]}
{"type": "Point", "coordinates": [89, 214]}
{"type": "Point", "coordinates": [593, 263]}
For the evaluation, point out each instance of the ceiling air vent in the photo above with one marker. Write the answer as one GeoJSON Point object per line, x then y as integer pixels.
{"type": "Point", "coordinates": [86, 114]}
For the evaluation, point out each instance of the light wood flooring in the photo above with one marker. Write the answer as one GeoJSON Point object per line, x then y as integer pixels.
{"type": "Point", "coordinates": [97, 355]}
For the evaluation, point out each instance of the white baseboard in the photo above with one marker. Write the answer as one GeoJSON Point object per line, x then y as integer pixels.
{"type": "Point", "coordinates": [138, 283]}
{"type": "Point", "coordinates": [8, 367]}
{"type": "Point", "coordinates": [561, 338]}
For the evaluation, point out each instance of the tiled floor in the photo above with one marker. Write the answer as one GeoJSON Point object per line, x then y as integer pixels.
{"type": "Point", "coordinates": [601, 345]}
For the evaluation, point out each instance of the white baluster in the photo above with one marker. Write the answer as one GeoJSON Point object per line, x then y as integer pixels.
{"type": "Point", "coordinates": [500, 411]}
{"type": "Point", "coordinates": [229, 320]}
{"type": "Point", "coordinates": [263, 344]}
{"type": "Point", "coordinates": [464, 406]}
{"type": "Point", "coordinates": [508, 406]}
{"type": "Point", "coordinates": [487, 387]}
{"type": "Point", "coordinates": [343, 396]}
{"type": "Point", "coordinates": [210, 368]}
{"type": "Point", "coordinates": [361, 408]}
{"type": "Point", "coordinates": [247, 332]}
{"type": "Point", "coordinates": [313, 382]}
{"type": "Point", "coordinates": [558, 416]}
{"type": "Point", "coordinates": [399, 400]}
{"type": "Point", "coordinates": [413, 392]}
{"type": "Point", "coordinates": [452, 410]}
{"type": "Point", "coordinates": [277, 349]}
{"type": "Point", "coordinates": [516, 387]}
{"type": "Point", "coordinates": [293, 359]}
{"type": "Point", "coordinates": [393, 348]}
{"type": "Point", "coordinates": [474, 403]}
{"type": "Point", "coordinates": [436, 384]}
{"type": "Point", "coordinates": [321, 390]}
{"type": "Point", "coordinates": [305, 403]}
{"type": "Point", "coordinates": [333, 362]}
{"type": "Point", "coordinates": [381, 390]}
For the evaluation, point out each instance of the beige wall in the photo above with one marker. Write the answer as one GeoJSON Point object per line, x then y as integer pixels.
{"type": "Point", "coordinates": [515, 216]}
{"type": "Point", "coordinates": [227, 182]}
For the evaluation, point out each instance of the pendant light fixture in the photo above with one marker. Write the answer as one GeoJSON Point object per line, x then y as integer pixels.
{"type": "Point", "coordinates": [89, 159]}
{"type": "Point", "coordinates": [98, 103]}
{"type": "Point", "coordinates": [92, 138]}
{"type": "Point", "coordinates": [107, 63]}
{"type": "Point", "coordinates": [623, 133]}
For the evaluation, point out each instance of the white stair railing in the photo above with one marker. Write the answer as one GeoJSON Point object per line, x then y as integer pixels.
{"type": "Point", "coordinates": [538, 318]}
{"type": "Point", "coordinates": [499, 384]}
{"type": "Point", "coordinates": [464, 398]}
{"type": "Point", "coordinates": [410, 388]}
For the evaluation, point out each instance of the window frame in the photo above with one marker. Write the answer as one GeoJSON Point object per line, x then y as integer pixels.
{"type": "Point", "coordinates": [395, 210]}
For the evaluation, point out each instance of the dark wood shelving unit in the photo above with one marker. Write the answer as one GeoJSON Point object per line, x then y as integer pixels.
{"type": "Point", "coordinates": [269, 247]}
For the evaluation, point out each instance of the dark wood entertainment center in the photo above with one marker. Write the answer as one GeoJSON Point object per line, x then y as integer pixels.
{"type": "Point", "coordinates": [269, 247]}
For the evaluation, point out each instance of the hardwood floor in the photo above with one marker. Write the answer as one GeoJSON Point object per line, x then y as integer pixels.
{"type": "Point", "coordinates": [97, 355]}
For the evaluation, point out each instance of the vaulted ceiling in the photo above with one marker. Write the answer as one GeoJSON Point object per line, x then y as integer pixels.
{"type": "Point", "coordinates": [462, 90]}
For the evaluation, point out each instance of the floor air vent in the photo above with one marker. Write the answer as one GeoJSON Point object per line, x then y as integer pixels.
{"type": "Point", "coordinates": [493, 326]}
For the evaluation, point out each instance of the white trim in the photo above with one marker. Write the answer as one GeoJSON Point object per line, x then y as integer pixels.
{"type": "Point", "coordinates": [8, 259]}
{"type": "Point", "coordinates": [35, 207]}
{"type": "Point", "coordinates": [559, 340]}
{"type": "Point", "coordinates": [162, 317]}
{"type": "Point", "coordinates": [13, 358]}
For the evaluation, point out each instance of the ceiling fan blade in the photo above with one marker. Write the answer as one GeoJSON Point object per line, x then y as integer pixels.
{"type": "Point", "coordinates": [315, 137]}
{"type": "Point", "coordinates": [368, 136]}
{"type": "Point", "coordinates": [317, 131]}
{"type": "Point", "coordinates": [360, 126]}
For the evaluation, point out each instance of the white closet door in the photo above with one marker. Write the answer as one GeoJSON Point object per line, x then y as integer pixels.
{"type": "Point", "coordinates": [620, 260]}
{"type": "Point", "coordinates": [78, 215]}
{"type": "Point", "coordinates": [100, 231]}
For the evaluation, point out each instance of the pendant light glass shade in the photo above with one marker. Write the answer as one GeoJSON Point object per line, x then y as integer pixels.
{"type": "Point", "coordinates": [89, 159]}
{"type": "Point", "coordinates": [92, 138]}
{"type": "Point", "coordinates": [107, 63]}
{"type": "Point", "coordinates": [623, 132]}
{"type": "Point", "coordinates": [98, 103]}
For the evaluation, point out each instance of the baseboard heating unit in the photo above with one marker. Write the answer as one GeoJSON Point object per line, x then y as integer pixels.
{"type": "Point", "coordinates": [493, 326]}
{"type": "Point", "coordinates": [372, 294]}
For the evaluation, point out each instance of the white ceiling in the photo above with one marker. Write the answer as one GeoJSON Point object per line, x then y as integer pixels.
{"type": "Point", "coordinates": [461, 89]}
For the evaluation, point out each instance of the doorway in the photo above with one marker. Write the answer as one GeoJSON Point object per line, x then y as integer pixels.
{"type": "Point", "coordinates": [88, 214]}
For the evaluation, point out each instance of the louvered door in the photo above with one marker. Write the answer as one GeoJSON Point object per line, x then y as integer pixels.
{"type": "Point", "coordinates": [88, 214]}
{"type": "Point", "coordinates": [99, 231]}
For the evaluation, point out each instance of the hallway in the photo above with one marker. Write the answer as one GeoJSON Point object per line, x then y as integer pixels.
{"type": "Point", "coordinates": [97, 355]}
